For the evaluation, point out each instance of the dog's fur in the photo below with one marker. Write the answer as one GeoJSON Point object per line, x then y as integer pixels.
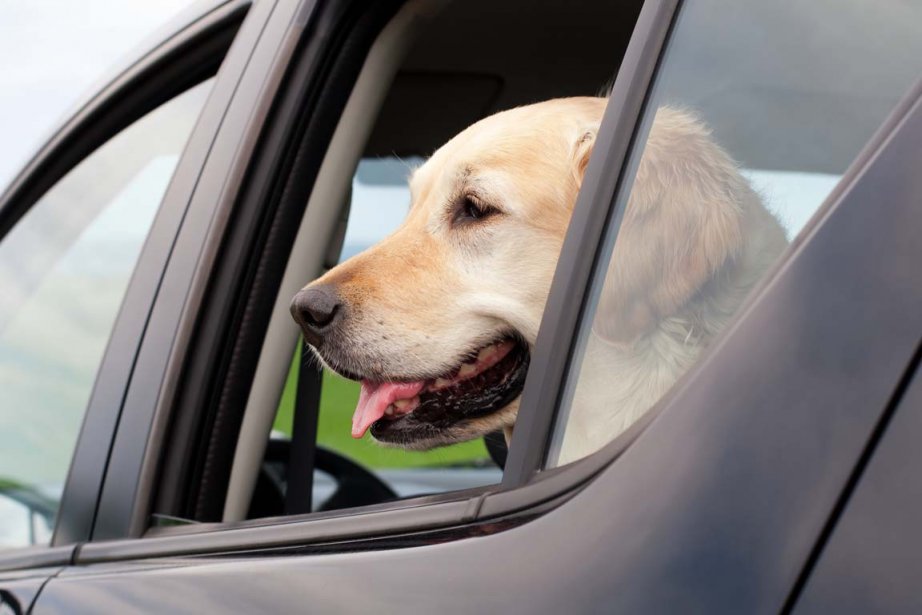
{"type": "Point", "coordinates": [694, 240]}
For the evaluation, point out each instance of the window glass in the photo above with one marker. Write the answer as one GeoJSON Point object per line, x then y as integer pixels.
{"type": "Point", "coordinates": [64, 269]}
{"type": "Point", "coordinates": [756, 112]}
{"type": "Point", "coordinates": [380, 201]}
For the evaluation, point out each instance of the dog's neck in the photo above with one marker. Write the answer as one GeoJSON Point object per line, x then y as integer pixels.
{"type": "Point", "coordinates": [620, 382]}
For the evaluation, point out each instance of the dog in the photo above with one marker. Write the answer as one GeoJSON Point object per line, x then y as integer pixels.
{"type": "Point", "coordinates": [438, 320]}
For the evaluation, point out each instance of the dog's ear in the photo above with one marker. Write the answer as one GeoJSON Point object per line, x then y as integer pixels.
{"type": "Point", "coordinates": [682, 225]}
{"type": "Point", "coordinates": [582, 149]}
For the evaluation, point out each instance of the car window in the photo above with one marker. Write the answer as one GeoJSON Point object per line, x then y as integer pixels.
{"type": "Point", "coordinates": [64, 269]}
{"type": "Point", "coordinates": [756, 112]}
{"type": "Point", "coordinates": [379, 203]}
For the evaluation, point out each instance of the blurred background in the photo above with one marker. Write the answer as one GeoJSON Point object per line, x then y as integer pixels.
{"type": "Point", "coordinates": [52, 53]}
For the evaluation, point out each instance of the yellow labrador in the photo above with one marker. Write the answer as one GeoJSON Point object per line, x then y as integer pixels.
{"type": "Point", "coordinates": [437, 320]}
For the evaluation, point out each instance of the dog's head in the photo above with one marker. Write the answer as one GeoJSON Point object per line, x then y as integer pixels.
{"type": "Point", "coordinates": [437, 320]}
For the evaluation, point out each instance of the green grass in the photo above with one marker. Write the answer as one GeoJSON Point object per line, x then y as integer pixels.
{"type": "Point", "coordinates": [338, 398]}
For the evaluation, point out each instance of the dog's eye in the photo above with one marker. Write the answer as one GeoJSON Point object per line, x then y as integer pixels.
{"type": "Point", "coordinates": [470, 208]}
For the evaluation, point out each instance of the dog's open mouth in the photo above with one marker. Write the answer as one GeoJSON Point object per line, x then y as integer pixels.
{"type": "Point", "coordinates": [486, 381]}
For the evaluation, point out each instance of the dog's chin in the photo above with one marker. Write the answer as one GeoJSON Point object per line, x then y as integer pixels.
{"type": "Point", "coordinates": [463, 404]}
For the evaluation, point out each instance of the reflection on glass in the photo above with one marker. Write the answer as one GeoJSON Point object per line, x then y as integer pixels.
{"type": "Point", "coordinates": [26, 516]}
{"type": "Point", "coordinates": [756, 112]}
{"type": "Point", "coordinates": [64, 269]}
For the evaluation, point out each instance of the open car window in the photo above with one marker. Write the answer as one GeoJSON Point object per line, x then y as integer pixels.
{"type": "Point", "coordinates": [385, 131]}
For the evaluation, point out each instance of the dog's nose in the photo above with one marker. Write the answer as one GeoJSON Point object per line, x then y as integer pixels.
{"type": "Point", "coordinates": [315, 309]}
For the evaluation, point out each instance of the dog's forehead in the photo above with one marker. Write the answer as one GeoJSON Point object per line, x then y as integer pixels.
{"type": "Point", "coordinates": [531, 142]}
{"type": "Point", "coordinates": [456, 177]}
{"type": "Point", "coordinates": [505, 130]}
{"type": "Point", "coordinates": [444, 172]}
{"type": "Point", "coordinates": [481, 160]}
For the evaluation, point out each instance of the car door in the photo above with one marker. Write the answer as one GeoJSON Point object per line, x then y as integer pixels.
{"type": "Point", "coordinates": [715, 501]}
{"type": "Point", "coordinates": [867, 561]}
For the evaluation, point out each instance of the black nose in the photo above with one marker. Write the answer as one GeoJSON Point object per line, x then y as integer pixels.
{"type": "Point", "coordinates": [316, 309]}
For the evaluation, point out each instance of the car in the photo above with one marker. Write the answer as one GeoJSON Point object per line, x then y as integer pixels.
{"type": "Point", "coordinates": [166, 444]}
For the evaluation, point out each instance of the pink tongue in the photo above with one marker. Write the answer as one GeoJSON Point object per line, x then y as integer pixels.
{"type": "Point", "coordinates": [374, 400]}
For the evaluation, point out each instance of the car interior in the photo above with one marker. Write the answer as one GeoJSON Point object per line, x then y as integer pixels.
{"type": "Point", "coordinates": [434, 69]}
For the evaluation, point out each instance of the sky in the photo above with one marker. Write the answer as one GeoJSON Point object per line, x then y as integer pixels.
{"type": "Point", "coordinates": [52, 53]}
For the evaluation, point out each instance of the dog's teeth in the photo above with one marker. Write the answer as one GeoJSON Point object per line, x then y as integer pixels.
{"type": "Point", "coordinates": [389, 411]}
{"type": "Point", "coordinates": [441, 383]}
{"type": "Point", "coordinates": [401, 403]}
{"type": "Point", "coordinates": [467, 369]}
